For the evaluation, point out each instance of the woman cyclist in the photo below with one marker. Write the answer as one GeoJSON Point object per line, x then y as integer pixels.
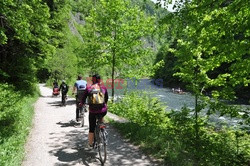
{"type": "Point", "coordinates": [95, 108]}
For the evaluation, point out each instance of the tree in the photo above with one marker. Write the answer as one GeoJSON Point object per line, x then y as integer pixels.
{"type": "Point", "coordinates": [214, 34]}
{"type": "Point", "coordinates": [117, 38]}
{"type": "Point", "coordinates": [63, 64]}
{"type": "Point", "coordinates": [212, 50]}
{"type": "Point", "coordinates": [24, 35]}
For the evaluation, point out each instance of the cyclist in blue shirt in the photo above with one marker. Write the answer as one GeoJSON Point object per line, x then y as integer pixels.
{"type": "Point", "coordinates": [78, 89]}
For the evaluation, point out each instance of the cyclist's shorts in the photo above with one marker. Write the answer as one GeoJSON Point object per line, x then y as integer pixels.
{"type": "Point", "coordinates": [79, 96]}
{"type": "Point", "coordinates": [92, 121]}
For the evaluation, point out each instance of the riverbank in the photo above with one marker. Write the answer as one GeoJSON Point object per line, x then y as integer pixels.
{"type": "Point", "coordinates": [171, 136]}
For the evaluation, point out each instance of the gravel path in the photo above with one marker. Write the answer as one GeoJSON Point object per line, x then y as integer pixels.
{"type": "Point", "coordinates": [57, 140]}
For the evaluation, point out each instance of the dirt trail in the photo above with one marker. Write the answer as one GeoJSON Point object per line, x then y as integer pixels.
{"type": "Point", "coordinates": [56, 141]}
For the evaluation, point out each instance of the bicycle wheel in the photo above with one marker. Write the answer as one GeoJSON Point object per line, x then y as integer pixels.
{"type": "Point", "coordinates": [102, 146]}
{"type": "Point", "coordinates": [95, 139]}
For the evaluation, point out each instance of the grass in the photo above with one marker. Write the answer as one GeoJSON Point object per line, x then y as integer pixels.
{"type": "Point", "coordinates": [171, 137]}
{"type": "Point", "coordinates": [12, 146]}
{"type": "Point", "coordinates": [145, 137]}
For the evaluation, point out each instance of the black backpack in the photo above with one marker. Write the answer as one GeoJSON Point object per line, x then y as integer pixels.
{"type": "Point", "coordinates": [64, 88]}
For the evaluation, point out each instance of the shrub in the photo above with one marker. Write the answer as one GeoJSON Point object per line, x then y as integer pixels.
{"type": "Point", "coordinates": [171, 136]}
{"type": "Point", "coordinates": [136, 104]}
{"type": "Point", "coordinates": [15, 120]}
{"type": "Point", "coordinates": [9, 109]}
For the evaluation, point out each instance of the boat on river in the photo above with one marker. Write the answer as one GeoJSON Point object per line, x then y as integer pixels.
{"type": "Point", "coordinates": [178, 91]}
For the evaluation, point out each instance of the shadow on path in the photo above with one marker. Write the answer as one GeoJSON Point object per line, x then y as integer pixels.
{"type": "Point", "coordinates": [71, 102]}
{"type": "Point", "coordinates": [55, 103]}
{"type": "Point", "coordinates": [68, 124]}
{"type": "Point", "coordinates": [70, 149]}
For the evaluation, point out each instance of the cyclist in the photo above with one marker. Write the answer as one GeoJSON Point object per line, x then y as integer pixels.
{"type": "Point", "coordinates": [64, 90]}
{"type": "Point", "coordinates": [55, 88]}
{"type": "Point", "coordinates": [55, 84]}
{"type": "Point", "coordinates": [78, 89]}
{"type": "Point", "coordinates": [96, 92]}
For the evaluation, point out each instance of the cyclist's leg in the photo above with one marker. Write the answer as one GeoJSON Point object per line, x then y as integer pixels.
{"type": "Point", "coordinates": [92, 124]}
{"type": "Point", "coordinates": [103, 114]}
{"type": "Point", "coordinates": [77, 108]}
{"type": "Point", "coordinates": [77, 113]}
{"type": "Point", "coordinates": [62, 97]}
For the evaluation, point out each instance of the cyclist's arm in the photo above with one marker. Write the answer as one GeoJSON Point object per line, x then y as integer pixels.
{"type": "Point", "coordinates": [67, 88]}
{"type": "Point", "coordinates": [74, 89]}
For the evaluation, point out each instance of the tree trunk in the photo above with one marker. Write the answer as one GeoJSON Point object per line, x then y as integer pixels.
{"type": "Point", "coordinates": [113, 75]}
{"type": "Point", "coordinates": [113, 65]}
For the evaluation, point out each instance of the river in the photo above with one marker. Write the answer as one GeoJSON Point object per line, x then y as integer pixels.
{"type": "Point", "coordinates": [172, 100]}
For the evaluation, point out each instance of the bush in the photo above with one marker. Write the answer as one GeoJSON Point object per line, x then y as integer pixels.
{"type": "Point", "coordinates": [171, 136]}
{"type": "Point", "coordinates": [136, 104]}
{"type": "Point", "coordinates": [15, 120]}
{"type": "Point", "coordinates": [9, 109]}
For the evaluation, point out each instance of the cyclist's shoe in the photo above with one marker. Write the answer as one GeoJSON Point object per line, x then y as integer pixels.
{"type": "Point", "coordinates": [89, 147]}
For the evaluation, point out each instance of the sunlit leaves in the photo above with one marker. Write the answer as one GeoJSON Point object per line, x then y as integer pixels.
{"type": "Point", "coordinates": [211, 37]}
{"type": "Point", "coordinates": [116, 28]}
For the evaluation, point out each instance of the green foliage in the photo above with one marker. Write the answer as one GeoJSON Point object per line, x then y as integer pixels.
{"type": "Point", "coordinates": [132, 106]}
{"type": "Point", "coordinates": [33, 33]}
{"type": "Point", "coordinates": [25, 27]}
{"type": "Point", "coordinates": [63, 64]}
{"type": "Point", "coordinates": [82, 6]}
{"type": "Point", "coordinates": [113, 29]}
{"type": "Point", "coordinates": [115, 35]}
{"type": "Point", "coordinates": [168, 69]}
{"type": "Point", "coordinates": [171, 136]}
{"type": "Point", "coordinates": [9, 109]}
{"type": "Point", "coordinates": [30, 32]}
{"type": "Point", "coordinates": [15, 122]}
{"type": "Point", "coordinates": [212, 45]}
{"type": "Point", "coordinates": [207, 50]}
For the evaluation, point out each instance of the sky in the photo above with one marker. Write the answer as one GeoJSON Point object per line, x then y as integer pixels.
{"type": "Point", "coordinates": [169, 6]}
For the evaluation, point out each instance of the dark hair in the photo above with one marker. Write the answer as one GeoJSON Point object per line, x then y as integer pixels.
{"type": "Point", "coordinates": [79, 77]}
{"type": "Point", "coordinates": [96, 78]}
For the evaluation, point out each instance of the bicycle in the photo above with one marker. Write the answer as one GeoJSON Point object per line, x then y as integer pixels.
{"type": "Point", "coordinates": [82, 109]}
{"type": "Point", "coordinates": [100, 139]}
